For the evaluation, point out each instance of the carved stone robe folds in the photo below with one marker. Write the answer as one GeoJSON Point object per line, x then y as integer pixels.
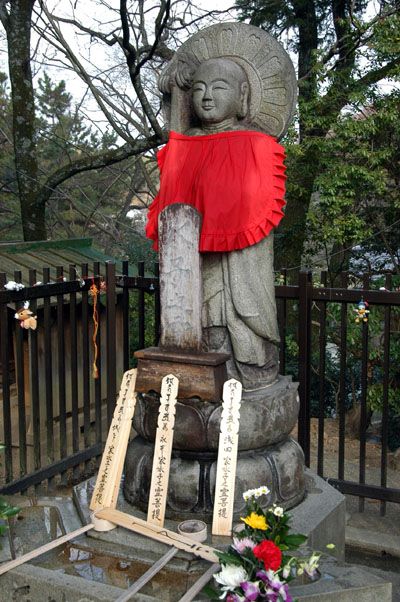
{"type": "Point", "coordinates": [236, 180]}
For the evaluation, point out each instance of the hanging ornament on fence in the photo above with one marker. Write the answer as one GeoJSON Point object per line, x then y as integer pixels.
{"type": "Point", "coordinates": [26, 317]}
{"type": "Point", "coordinates": [362, 311]}
{"type": "Point", "coordinates": [94, 291]}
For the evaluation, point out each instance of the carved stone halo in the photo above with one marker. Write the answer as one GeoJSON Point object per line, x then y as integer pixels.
{"type": "Point", "coordinates": [271, 75]}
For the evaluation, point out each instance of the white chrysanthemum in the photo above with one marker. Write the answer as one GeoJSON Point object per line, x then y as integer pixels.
{"type": "Point", "coordinates": [231, 576]}
{"type": "Point", "coordinates": [278, 511]}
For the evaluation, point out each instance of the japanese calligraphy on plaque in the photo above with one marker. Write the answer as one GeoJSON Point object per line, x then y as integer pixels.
{"type": "Point", "coordinates": [227, 458]}
{"type": "Point", "coordinates": [162, 451]}
{"type": "Point", "coordinates": [106, 490]}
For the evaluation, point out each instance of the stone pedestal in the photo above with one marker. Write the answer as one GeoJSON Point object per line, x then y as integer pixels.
{"type": "Point", "coordinates": [269, 408]}
{"type": "Point", "coordinates": [267, 455]}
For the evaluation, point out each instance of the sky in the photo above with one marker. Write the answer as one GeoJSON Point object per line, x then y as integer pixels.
{"type": "Point", "coordinates": [98, 57]}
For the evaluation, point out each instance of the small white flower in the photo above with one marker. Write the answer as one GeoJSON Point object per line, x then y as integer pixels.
{"type": "Point", "coordinates": [278, 511]}
{"type": "Point", "coordinates": [248, 494]}
{"type": "Point", "coordinates": [255, 493]}
{"type": "Point", "coordinates": [288, 568]}
{"type": "Point", "coordinates": [231, 576]}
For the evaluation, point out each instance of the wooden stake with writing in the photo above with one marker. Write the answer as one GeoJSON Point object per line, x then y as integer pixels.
{"type": "Point", "coordinates": [105, 494]}
{"type": "Point", "coordinates": [227, 458]}
{"type": "Point", "coordinates": [162, 451]}
{"type": "Point", "coordinates": [158, 533]}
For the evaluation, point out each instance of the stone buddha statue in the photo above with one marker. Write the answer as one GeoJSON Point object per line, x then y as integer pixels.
{"type": "Point", "coordinates": [229, 93]}
{"type": "Point", "coordinates": [220, 93]}
{"type": "Point", "coordinates": [238, 177]}
{"type": "Point", "coordinates": [239, 310]}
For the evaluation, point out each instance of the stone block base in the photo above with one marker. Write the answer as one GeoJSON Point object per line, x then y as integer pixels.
{"type": "Point", "coordinates": [192, 478]}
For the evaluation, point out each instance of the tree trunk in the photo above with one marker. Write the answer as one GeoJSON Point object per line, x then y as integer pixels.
{"type": "Point", "coordinates": [18, 41]}
{"type": "Point", "coordinates": [290, 238]}
{"type": "Point", "coordinates": [291, 234]}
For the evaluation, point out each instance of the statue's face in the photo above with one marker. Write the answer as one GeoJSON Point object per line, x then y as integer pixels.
{"type": "Point", "coordinates": [216, 91]}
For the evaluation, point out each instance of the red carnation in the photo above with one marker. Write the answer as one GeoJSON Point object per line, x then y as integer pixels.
{"type": "Point", "coordinates": [269, 553]}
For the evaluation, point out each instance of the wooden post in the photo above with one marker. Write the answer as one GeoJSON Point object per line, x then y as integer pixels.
{"type": "Point", "coordinates": [12, 564]}
{"type": "Point", "coordinates": [105, 494]}
{"type": "Point", "coordinates": [180, 278]}
{"type": "Point", "coordinates": [162, 451]}
{"type": "Point", "coordinates": [227, 458]}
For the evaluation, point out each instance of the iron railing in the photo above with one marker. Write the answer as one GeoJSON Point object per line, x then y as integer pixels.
{"type": "Point", "coordinates": [69, 411]}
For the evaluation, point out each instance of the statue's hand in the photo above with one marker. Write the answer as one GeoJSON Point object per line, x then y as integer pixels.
{"type": "Point", "coordinates": [184, 73]}
{"type": "Point", "coordinates": [164, 82]}
{"type": "Point", "coordinates": [179, 73]}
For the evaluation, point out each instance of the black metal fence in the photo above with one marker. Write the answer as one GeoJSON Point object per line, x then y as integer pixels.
{"type": "Point", "coordinates": [364, 355]}
{"type": "Point", "coordinates": [56, 415]}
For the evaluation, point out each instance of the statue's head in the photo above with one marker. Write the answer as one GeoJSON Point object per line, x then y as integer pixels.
{"type": "Point", "coordinates": [231, 71]}
{"type": "Point", "coordinates": [220, 91]}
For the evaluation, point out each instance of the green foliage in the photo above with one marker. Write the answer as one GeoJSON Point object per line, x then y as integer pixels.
{"type": "Point", "coordinates": [358, 198]}
{"type": "Point", "coordinates": [376, 375]}
{"type": "Point", "coordinates": [7, 510]}
{"type": "Point", "coordinates": [61, 129]}
{"type": "Point", "coordinates": [343, 154]}
{"type": "Point", "coordinates": [87, 205]}
{"type": "Point", "coordinates": [149, 320]}
{"type": "Point", "coordinates": [258, 556]}
{"type": "Point", "coordinates": [138, 248]}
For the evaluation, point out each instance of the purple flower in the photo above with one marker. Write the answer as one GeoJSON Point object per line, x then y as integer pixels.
{"type": "Point", "coordinates": [233, 598]}
{"type": "Point", "coordinates": [250, 590]}
{"type": "Point", "coordinates": [274, 587]}
{"type": "Point", "coordinates": [265, 576]}
{"type": "Point", "coordinates": [284, 592]}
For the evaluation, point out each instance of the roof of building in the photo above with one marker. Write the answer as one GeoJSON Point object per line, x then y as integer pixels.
{"type": "Point", "coordinates": [23, 256]}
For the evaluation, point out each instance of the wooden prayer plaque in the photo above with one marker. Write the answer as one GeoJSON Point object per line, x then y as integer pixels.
{"type": "Point", "coordinates": [162, 451]}
{"type": "Point", "coordinates": [105, 494]}
{"type": "Point", "coordinates": [227, 459]}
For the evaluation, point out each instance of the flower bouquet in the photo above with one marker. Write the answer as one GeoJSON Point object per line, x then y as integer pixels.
{"type": "Point", "coordinates": [258, 566]}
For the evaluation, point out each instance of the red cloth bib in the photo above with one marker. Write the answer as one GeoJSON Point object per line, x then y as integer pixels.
{"type": "Point", "coordinates": [236, 180]}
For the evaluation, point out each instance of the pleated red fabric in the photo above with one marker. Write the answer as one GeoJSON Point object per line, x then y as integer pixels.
{"type": "Point", "coordinates": [236, 180]}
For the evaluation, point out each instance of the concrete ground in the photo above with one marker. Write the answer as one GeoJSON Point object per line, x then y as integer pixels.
{"type": "Point", "coordinates": [373, 541]}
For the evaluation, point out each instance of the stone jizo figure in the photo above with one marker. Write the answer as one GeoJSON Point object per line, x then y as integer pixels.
{"type": "Point", "coordinates": [229, 94]}
{"type": "Point", "coordinates": [220, 92]}
{"type": "Point", "coordinates": [227, 166]}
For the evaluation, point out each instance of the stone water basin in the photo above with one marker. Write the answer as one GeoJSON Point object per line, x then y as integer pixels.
{"type": "Point", "coordinates": [96, 569]}
{"type": "Point", "coordinates": [91, 564]}
{"type": "Point", "coordinates": [86, 560]}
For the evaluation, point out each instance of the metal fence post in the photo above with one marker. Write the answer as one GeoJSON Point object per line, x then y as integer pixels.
{"type": "Point", "coordinates": [304, 339]}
